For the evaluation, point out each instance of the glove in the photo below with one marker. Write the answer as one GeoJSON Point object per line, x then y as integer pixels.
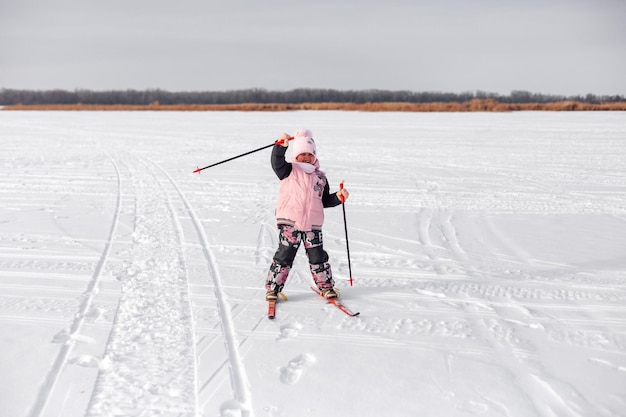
{"type": "Point", "coordinates": [283, 140]}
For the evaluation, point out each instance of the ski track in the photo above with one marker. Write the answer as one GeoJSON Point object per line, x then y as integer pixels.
{"type": "Point", "coordinates": [149, 361]}
{"type": "Point", "coordinates": [148, 354]}
{"type": "Point", "coordinates": [496, 323]}
{"type": "Point", "coordinates": [72, 335]}
{"type": "Point", "coordinates": [240, 384]}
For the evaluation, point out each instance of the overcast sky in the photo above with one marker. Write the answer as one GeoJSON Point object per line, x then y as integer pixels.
{"type": "Point", "coordinates": [564, 47]}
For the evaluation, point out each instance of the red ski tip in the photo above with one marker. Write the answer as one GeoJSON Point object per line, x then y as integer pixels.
{"type": "Point", "coordinates": [197, 170]}
{"type": "Point", "coordinates": [350, 281]}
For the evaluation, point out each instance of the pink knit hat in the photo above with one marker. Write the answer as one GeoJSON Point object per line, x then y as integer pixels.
{"type": "Point", "coordinates": [303, 143]}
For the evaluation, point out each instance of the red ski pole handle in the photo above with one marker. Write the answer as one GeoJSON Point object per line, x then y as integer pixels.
{"type": "Point", "coordinates": [280, 142]}
{"type": "Point", "coordinates": [341, 195]}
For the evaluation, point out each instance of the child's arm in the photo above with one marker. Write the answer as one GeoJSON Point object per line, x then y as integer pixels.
{"type": "Point", "coordinates": [328, 199]}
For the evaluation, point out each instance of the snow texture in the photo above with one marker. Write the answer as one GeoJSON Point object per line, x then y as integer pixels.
{"type": "Point", "coordinates": [488, 255]}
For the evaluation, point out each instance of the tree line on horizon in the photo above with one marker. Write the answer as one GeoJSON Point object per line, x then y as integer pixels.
{"type": "Point", "coordinates": [9, 97]}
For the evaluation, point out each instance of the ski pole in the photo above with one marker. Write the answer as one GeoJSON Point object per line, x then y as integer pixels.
{"type": "Point", "coordinates": [345, 226]}
{"type": "Point", "coordinates": [198, 169]}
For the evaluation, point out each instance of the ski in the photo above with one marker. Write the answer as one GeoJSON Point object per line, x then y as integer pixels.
{"type": "Point", "coordinates": [271, 306]}
{"type": "Point", "coordinates": [271, 309]}
{"type": "Point", "coordinates": [337, 304]}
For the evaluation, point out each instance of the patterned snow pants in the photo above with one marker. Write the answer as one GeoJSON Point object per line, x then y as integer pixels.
{"type": "Point", "coordinates": [289, 240]}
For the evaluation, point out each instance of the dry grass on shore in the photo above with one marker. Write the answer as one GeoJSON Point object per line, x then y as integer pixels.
{"type": "Point", "coordinates": [476, 105]}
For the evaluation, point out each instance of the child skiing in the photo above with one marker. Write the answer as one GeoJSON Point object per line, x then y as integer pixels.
{"type": "Point", "coordinates": [303, 195]}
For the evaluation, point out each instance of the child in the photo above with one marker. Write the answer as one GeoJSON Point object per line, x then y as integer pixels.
{"type": "Point", "coordinates": [303, 194]}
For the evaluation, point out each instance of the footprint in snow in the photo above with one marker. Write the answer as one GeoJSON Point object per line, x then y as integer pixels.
{"type": "Point", "coordinates": [289, 330]}
{"type": "Point", "coordinates": [292, 373]}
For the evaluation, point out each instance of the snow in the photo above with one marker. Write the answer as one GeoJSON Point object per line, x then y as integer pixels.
{"type": "Point", "coordinates": [488, 255]}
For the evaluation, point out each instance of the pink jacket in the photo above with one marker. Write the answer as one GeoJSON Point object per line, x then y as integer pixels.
{"type": "Point", "coordinates": [300, 199]}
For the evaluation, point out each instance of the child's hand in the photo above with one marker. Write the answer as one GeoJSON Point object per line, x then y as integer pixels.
{"type": "Point", "coordinates": [343, 195]}
{"type": "Point", "coordinates": [284, 140]}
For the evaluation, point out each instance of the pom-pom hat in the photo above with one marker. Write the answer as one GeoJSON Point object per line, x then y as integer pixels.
{"type": "Point", "coordinates": [303, 143]}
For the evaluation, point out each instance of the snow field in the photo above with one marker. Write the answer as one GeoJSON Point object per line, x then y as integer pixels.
{"type": "Point", "coordinates": [487, 252]}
